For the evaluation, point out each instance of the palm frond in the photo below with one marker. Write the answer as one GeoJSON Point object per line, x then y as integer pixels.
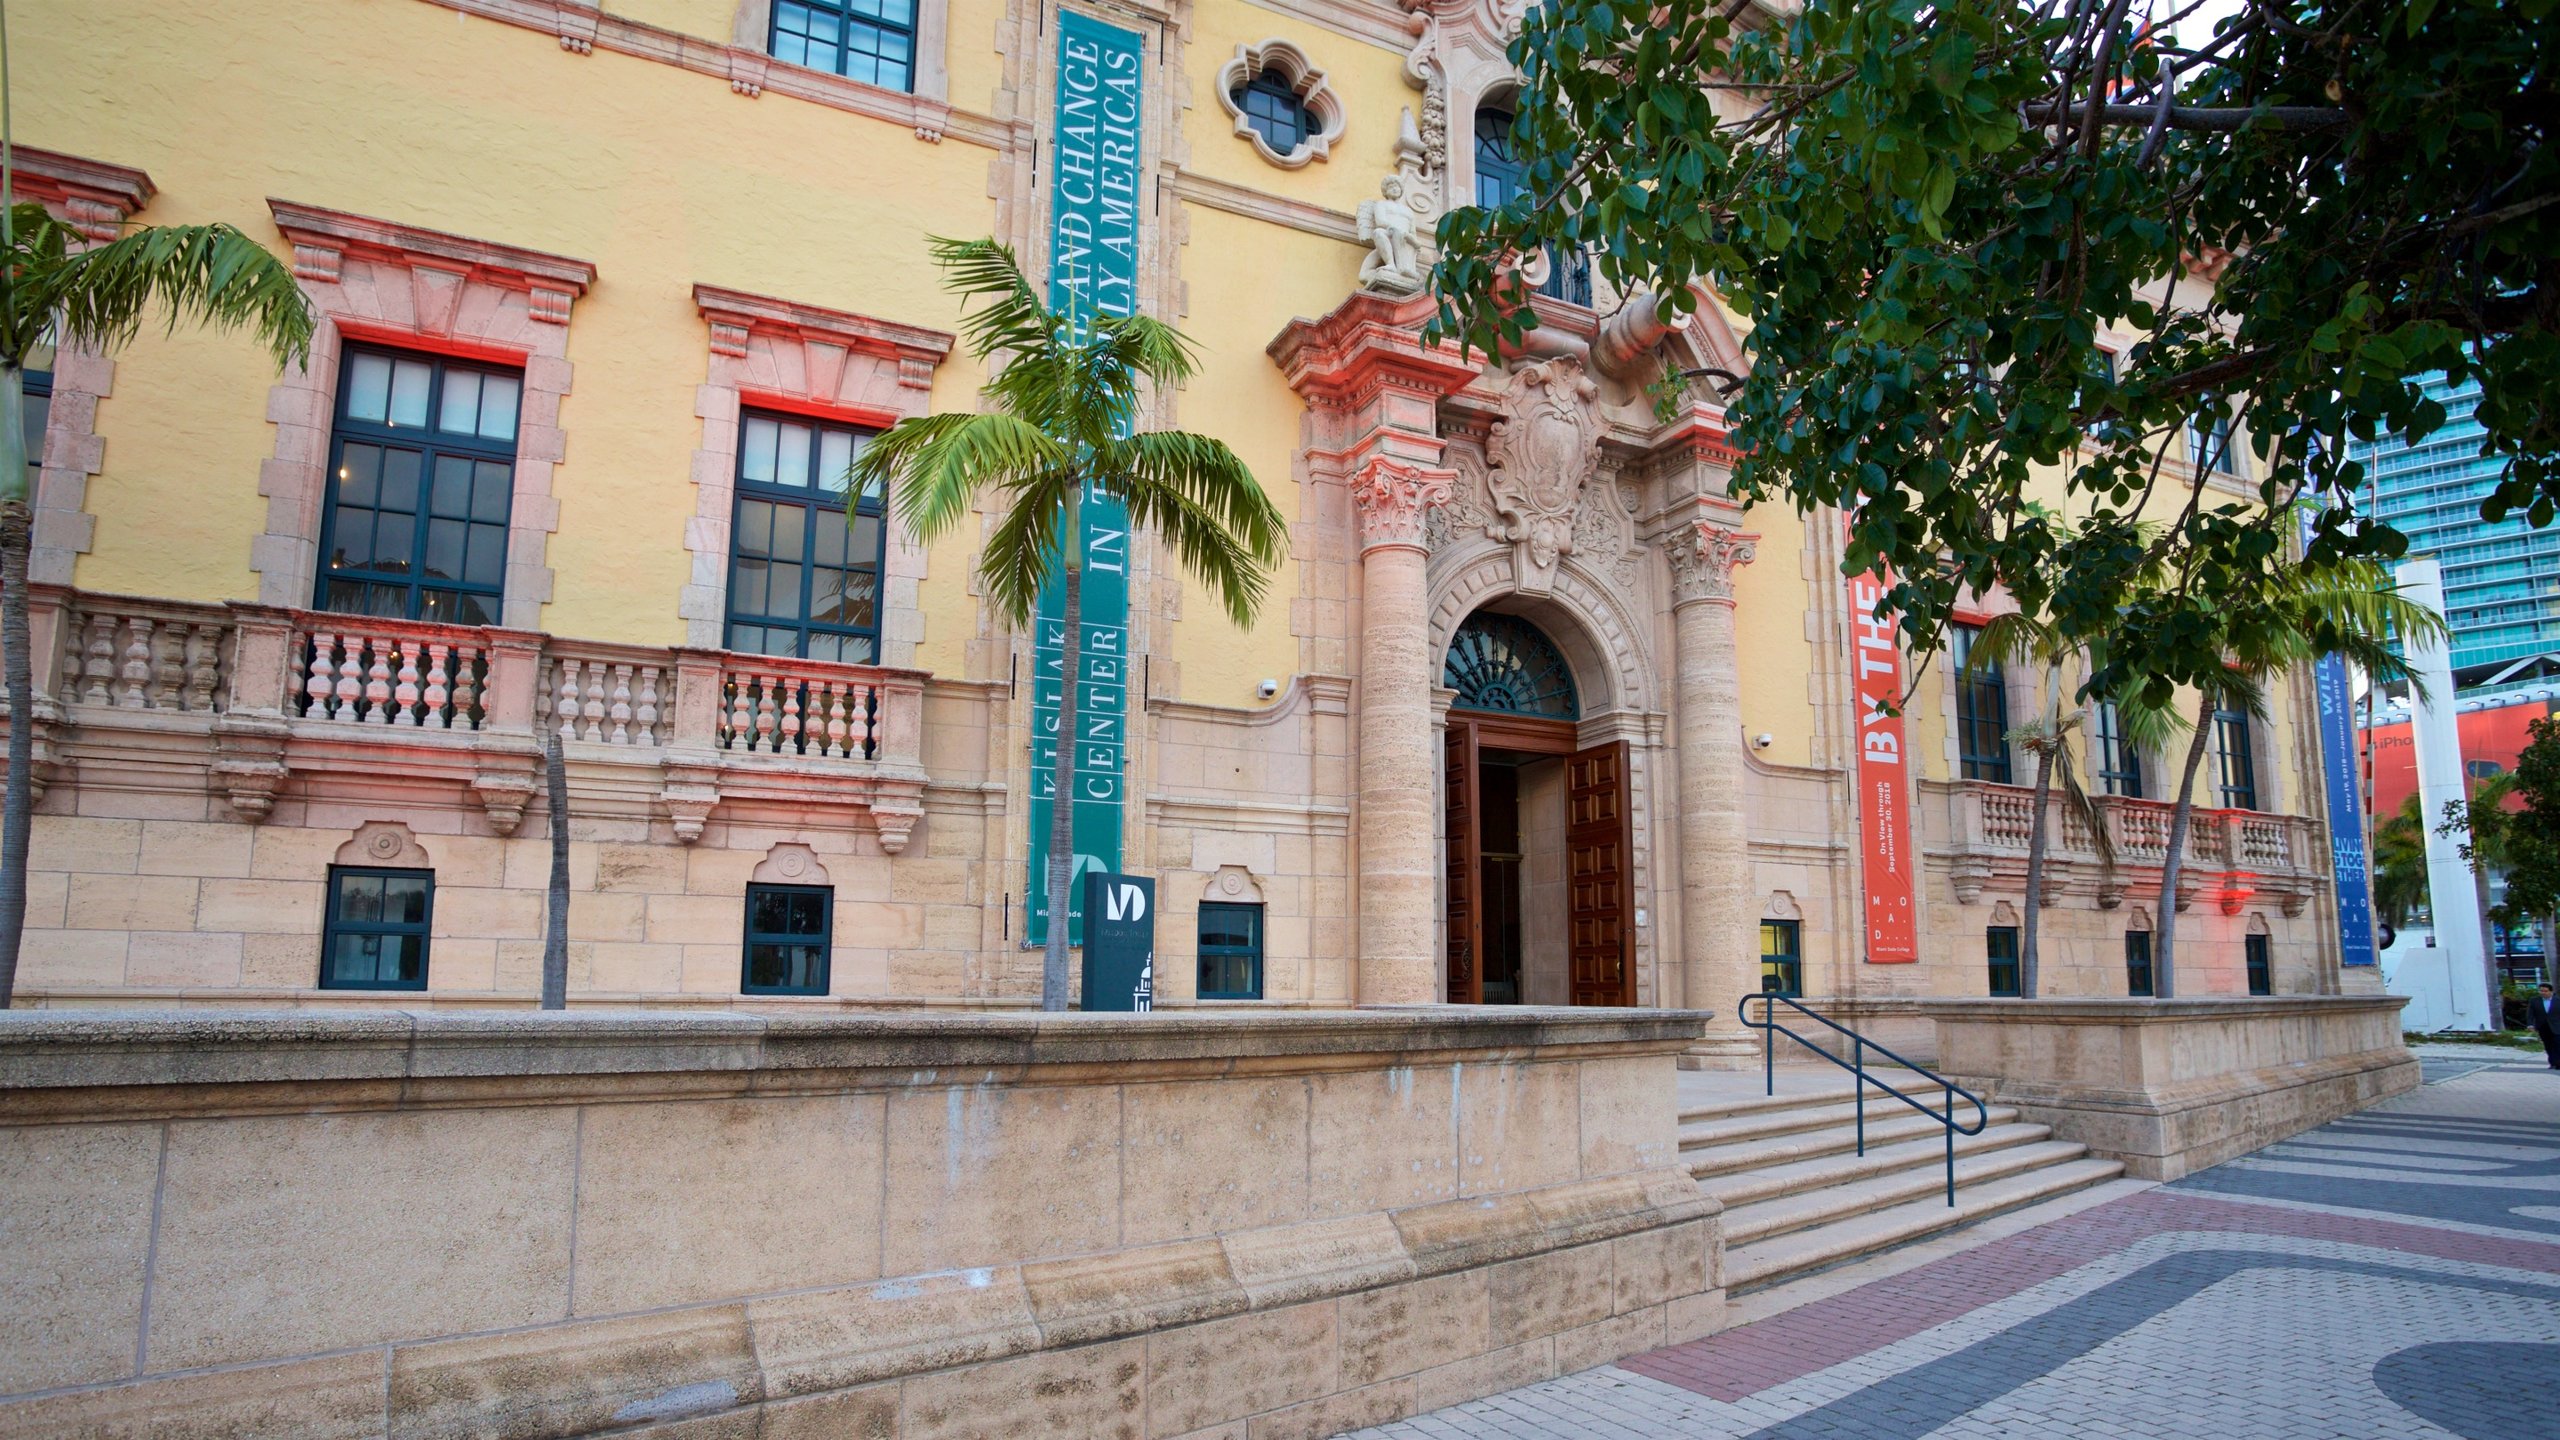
{"type": "Point", "coordinates": [2011, 639]}
{"type": "Point", "coordinates": [38, 245]}
{"type": "Point", "coordinates": [933, 466]}
{"type": "Point", "coordinates": [1205, 473]}
{"type": "Point", "coordinates": [1213, 554]}
{"type": "Point", "coordinates": [1023, 545]}
{"type": "Point", "coordinates": [207, 274]}
{"type": "Point", "coordinates": [1012, 319]}
{"type": "Point", "coordinates": [2076, 803]}
{"type": "Point", "coordinates": [1144, 345]}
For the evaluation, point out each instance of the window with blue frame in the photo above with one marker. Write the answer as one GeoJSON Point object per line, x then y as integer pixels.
{"type": "Point", "coordinates": [2000, 943]}
{"type": "Point", "coordinates": [421, 482]}
{"type": "Point", "coordinates": [788, 931]}
{"type": "Point", "coordinates": [2137, 962]}
{"type": "Point", "coordinates": [2119, 763]}
{"type": "Point", "coordinates": [2236, 768]}
{"type": "Point", "coordinates": [2260, 952]}
{"type": "Point", "coordinates": [803, 580]}
{"type": "Point", "coordinates": [873, 41]}
{"type": "Point", "coordinates": [1500, 176]}
{"type": "Point", "coordinates": [1982, 711]}
{"type": "Point", "coordinates": [1275, 111]}
{"type": "Point", "coordinates": [1230, 951]}
{"type": "Point", "coordinates": [375, 934]}
{"type": "Point", "coordinates": [1782, 958]}
{"type": "Point", "coordinates": [2209, 439]}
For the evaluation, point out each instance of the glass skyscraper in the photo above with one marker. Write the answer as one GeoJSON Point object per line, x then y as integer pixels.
{"type": "Point", "coordinates": [2502, 581]}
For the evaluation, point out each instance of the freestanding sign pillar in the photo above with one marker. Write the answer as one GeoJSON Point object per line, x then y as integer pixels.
{"type": "Point", "coordinates": [2450, 898]}
{"type": "Point", "coordinates": [1119, 942]}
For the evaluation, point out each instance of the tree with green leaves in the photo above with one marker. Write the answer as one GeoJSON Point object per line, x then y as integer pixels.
{"type": "Point", "coordinates": [2351, 609]}
{"type": "Point", "coordinates": [1059, 428]}
{"type": "Point", "coordinates": [55, 292]}
{"type": "Point", "coordinates": [2400, 865]}
{"type": "Point", "coordinates": [1928, 213]}
{"type": "Point", "coordinates": [2523, 839]}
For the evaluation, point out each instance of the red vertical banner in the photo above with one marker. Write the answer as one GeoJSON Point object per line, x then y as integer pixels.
{"type": "Point", "coordinates": [1890, 859]}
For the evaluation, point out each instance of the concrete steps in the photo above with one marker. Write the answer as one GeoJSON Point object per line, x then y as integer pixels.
{"type": "Point", "coordinates": [1799, 1198]}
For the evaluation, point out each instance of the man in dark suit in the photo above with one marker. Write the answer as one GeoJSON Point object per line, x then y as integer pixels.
{"type": "Point", "coordinates": [2540, 1013]}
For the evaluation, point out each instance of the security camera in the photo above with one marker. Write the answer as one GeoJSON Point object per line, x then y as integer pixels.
{"type": "Point", "coordinates": [1763, 740]}
{"type": "Point", "coordinates": [1267, 689]}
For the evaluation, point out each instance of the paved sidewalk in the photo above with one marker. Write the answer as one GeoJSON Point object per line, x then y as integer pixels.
{"type": "Point", "coordinates": [2394, 1274]}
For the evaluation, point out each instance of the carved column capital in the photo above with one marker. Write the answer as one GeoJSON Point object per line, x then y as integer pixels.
{"type": "Point", "coordinates": [1703, 568]}
{"type": "Point", "coordinates": [1391, 496]}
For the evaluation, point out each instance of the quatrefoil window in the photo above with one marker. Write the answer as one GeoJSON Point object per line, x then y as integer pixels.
{"type": "Point", "coordinates": [1279, 101]}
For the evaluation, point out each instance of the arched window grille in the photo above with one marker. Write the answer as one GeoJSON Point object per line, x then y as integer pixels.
{"type": "Point", "coordinates": [1505, 664]}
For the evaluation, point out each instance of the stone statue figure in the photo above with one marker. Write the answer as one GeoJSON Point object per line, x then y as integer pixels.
{"type": "Point", "coordinates": [1394, 265]}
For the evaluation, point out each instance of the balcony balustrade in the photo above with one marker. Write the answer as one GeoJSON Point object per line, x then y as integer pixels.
{"type": "Point", "coordinates": [2231, 855]}
{"type": "Point", "coordinates": [268, 693]}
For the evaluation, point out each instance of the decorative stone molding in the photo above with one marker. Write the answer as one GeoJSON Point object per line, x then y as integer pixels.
{"type": "Point", "coordinates": [1304, 79]}
{"type": "Point", "coordinates": [380, 280]}
{"type": "Point", "coordinates": [2138, 918]}
{"type": "Point", "coordinates": [386, 845]}
{"type": "Point", "coordinates": [1391, 497]}
{"type": "Point", "coordinates": [790, 863]}
{"type": "Point", "coordinates": [2004, 913]}
{"type": "Point", "coordinates": [1703, 569]}
{"type": "Point", "coordinates": [808, 360]}
{"type": "Point", "coordinates": [1234, 885]}
{"type": "Point", "coordinates": [1968, 875]}
{"type": "Point", "coordinates": [95, 199]}
{"type": "Point", "coordinates": [1781, 905]}
{"type": "Point", "coordinates": [1543, 450]}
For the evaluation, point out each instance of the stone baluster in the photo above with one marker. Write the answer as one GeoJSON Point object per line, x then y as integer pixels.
{"type": "Point", "coordinates": [439, 689]}
{"type": "Point", "coordinates": [324, 676]}
{"type": "Point", "coordinates": [767, 714]}
{"type": "Point", "coordinates": [836, 727]}
{"type": "Point", "coordinates": [168, 663]}
{"type": "Point", "coordinates": [1720, 961]}
{"type": "Point", "coordinates": [564, 700]}
{"type": "Point", "coordinates": [98, 664]}
{"type": "Point", "coordinates": [591, 703]}
{"type": "Point", "coordinates": [789, 738]}
{"type": "Point", "coordinates": [404, 694]}
{"type": "Point", "coordinates": [644, 718]}
{"type": "Point", "coordinates": [466, 686]}
{"type": "Point", "coordinates": [863, 728]}
{"type": "Point", "coordinates": [203, 666]}
{"type": "Point", "coordinates": [133, 675]}
{"type": "Point", "coordinates": [377, 682]}
{"type": "Point", "coordinates": [620, 711]}
{"type": "Point", "coordinates": [1399, 826]}
{"type": "Point", "coordinates": [350, 690]}
{"type": "Point", "coordinates": [740, 730]}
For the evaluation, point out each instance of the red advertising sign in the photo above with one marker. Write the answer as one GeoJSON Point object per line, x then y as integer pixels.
{"type": "Point", "coordinates": [1891, 863]}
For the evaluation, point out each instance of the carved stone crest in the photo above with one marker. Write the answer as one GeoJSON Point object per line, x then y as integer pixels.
{"type": "Point", "coordinates": [1544, 450]}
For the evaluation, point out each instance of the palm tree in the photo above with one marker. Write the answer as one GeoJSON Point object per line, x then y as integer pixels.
{"type": "Point", "coordinates": [2021, 639]}
{"type": "Point", "coordinates": [2350, 609]}
{"type": "Point", "coordinates": [1057, 430]}
{"type": "Point", "coordinates": [2400, 865]}
{"type": "Point", "coordinates": [53, 292]}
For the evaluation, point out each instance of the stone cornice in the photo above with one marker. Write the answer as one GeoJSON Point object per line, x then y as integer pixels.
{"type": "Point", "coordinates": [1368, 342]}
{"type": "Point", "coordinates": [735, 314]}
{"type": "Point", "coordinates": [1378, 22]}
{"type": "Point", "coordinates": [94, 197]}
{"type": "Point", "coordinates": [1253, 204]}
{"type": "Point", "coordinates": [323, 238]}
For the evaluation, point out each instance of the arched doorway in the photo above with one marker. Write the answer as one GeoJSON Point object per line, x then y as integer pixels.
{"type": "Point", "coordinates": [1540, 880]}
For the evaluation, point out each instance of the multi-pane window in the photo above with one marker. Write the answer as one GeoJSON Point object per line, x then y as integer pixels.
{"type": "Point", "coordinates": [2259, 950]}
{"type": "Point", "coordinates": [2000, 943]}
{"type": "Point", "coordinates": [2119, 763]}
{"type": "Point", "coordinates": [1230, 951]}
{"type": "Point", "coordinates": [802, 581]}
{"type": "Point", "coordinates": [375, 936]}
{"type": "Point", "coordinates": [873, 41]}
{"type": "Point", "coordinates": [421, 479]}
{"type": "Point", "coordinates": [1982, 711]}
{"type": "Point", "coordinates": [2209, 440]}
{"type": "Point", "coordinates": [2137, 962]}
{"type": "Point", "coordinates": [1499, 176]}
{"type": "Point", "coordinates": [1272, 107]}
{"type": "Point", "coordinates": [2101, 382]}
{"type": "Point", "coordinates": [35, 406]}
{"type": "Point", "coordinates": [1782, 957]}
{"type": "Point", "coordinates": [787, 939]}
{"type": "Point", "coordinates": [2236, 772]}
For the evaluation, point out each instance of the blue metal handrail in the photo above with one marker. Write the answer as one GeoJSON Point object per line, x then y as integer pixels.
{"type": "Point", "coordinates": [1770, 1029]}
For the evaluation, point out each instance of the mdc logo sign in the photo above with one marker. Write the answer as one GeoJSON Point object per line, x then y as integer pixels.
{"type": "Point", "coordinates": [1119, 942]}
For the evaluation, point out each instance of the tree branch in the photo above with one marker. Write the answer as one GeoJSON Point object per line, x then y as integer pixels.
{"type": "Point", "coordinates": [2206, 118]}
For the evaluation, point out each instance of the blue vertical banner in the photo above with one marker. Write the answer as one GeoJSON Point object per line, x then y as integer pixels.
{"type": "Point", "coordinates": [2345, 779]}
{"type": "Point", "coordinates": [1093, 270]}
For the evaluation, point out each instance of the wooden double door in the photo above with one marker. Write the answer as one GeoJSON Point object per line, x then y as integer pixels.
{"type": "Point", "coordinates": [1599, 870]}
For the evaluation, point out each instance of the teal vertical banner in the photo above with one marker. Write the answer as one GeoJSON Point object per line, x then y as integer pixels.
{"type": "Point", "coordinates": [1093, 270]}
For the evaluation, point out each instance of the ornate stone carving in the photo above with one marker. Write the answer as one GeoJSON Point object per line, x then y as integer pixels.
{"type": "Point", "coordinates": [1968, 875]}
{"type": "Point", "coordinates": [1704, 570]}
{"type": "Point", "coordinates": [1542, 451]}
{"type": "Point", "coordinates": [1392, 496]}
{"type": "Point", "coordinates": [1395, 264]}
{"type": "Point", "coordinates": [687, 795]}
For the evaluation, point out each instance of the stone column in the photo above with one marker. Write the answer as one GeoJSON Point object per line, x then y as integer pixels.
{"type": "Point", "coordinates": [1399, 823]}
{"type": "Point", "coordinates": [1719, 953]}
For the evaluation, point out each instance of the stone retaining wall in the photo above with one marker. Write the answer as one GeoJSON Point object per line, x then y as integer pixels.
{"type": "Point", "coordinates": [2172, 1086]}
{"type": "Point", "coordinates": [910, 1226]}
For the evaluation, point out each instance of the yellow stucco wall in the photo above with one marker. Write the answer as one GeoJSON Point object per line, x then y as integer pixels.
{"type": "Point", "coordinates": [1771, 597]}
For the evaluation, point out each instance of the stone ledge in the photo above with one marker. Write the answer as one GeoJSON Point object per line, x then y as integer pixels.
{"type": "Point", "coordinates": [82, 1064]}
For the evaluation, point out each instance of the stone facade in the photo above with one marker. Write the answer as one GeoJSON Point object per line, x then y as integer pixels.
{"type": "Point", "coordinates": [913, 1226]}
{"type": "Point", "coordinates": [206, 747]}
